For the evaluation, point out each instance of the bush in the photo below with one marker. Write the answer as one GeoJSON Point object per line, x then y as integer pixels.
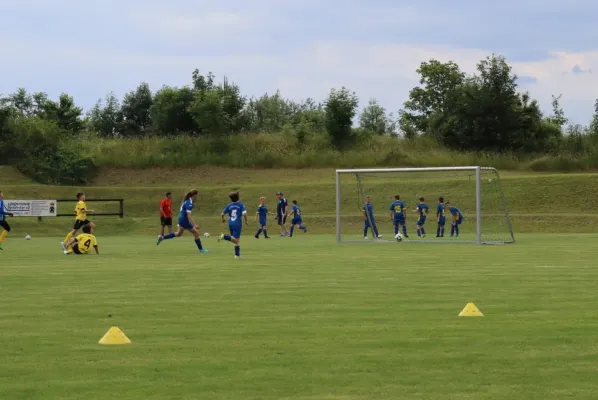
{"type": "Point", "coordinates": [43, 151]}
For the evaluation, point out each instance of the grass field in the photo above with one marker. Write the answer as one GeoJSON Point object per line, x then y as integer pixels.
{"type": "Point", "coordinates": [300, 318]}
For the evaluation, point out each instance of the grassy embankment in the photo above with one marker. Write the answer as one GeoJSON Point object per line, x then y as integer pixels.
{"type": "Point", "coordinates": [538, 203]}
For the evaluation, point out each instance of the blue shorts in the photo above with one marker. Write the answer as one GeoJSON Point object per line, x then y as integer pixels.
{"type": "Point", "coordinates": [185, 224]}
{"type": "Point", "coordinates": [296, 221]}
{"type": "Point", "coordinates": [421, 221]}
{"type": "Point", "coordinates": [399, 221]}
{"type": "Point", "coordinates": [441, 221]}
{"type": "Point", "coordinates": [235, 231]}
{"type": "Point", "coordinates": [367, 223]}
{"type": "Point", "coordinates": [458, 222]}
{"type": "Point", "coordinates": [262, 221]}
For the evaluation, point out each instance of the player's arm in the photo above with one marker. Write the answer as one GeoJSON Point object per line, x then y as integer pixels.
{"type": "Point", "coordinates": [257, 214]}
{"type": "Point", "coordinates": [222, 214]}
{"type": "Point", "coordinates": [4, 211]}
{"type": "Point", "coordinates": [96, 248]}
{"type": "Point", "coordinates": [245, 216]}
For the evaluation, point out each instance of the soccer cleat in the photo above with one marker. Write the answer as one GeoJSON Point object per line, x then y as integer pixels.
{"type": "Point", "coordinates": [365, 238]}
{"type": "Point", "coordinates": [62, 247]}
{"type": "Point", "coordinates": [221, 237]}
{"type": "Point", "coordinates": [160, 239]}
{"type": "Point", "coordinates": [380, 236]}
{"type": "Point", "coordinates": [237, 257]}
{"type": "Point", "coordinates": [65, 253]}
{"type": "Point", "coordinates": [204, 251]}
{"type": "Point", "coordinates": [256, 236]}
{"type": "Point", "coordinates": [1, 246]}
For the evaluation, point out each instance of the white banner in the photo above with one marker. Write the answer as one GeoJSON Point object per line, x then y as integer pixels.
{"type": "Point", "coordinates": [31, 208]}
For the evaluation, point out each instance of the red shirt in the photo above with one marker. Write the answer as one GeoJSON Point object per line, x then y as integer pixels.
{"type": "Point", "coordinates": [166, 208]}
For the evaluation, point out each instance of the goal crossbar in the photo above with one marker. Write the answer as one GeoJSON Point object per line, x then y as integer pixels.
{"type": "Point", "coordinates": [477, 170]}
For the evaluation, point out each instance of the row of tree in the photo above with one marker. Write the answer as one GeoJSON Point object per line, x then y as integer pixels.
{"type": "Point", "coordinates": [483, 111]}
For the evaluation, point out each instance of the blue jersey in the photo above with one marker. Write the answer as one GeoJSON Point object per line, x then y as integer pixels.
{"type": "Point", "coordinates": [235, 211]}
{"type": "Point", "coordinates": [398, 208]}
{"type": "Point", "coordinates": [185, 210]}
{"type": "Point", "coordinates": [296, 210]}
{"type": "Point", "coordinates": [3, 210]}
{"type": "Point", "coordinates": [422, 209]}
{"type": "Point", "coordinates": [281, 207]}
{"type": "Point", "coordinates": [368, 210]}
{"type": "Point", "coordinates": [456, 213]}
{"type": "Point", "coordinates": [440, 212]}
{"type": "Point", "coordinates": [262, 211]}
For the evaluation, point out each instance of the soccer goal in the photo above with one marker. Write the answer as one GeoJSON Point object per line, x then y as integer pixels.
{"type": "Point", "coordinates": [475, 191]}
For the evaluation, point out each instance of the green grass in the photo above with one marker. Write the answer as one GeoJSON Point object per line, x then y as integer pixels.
{"type": "Point", "coordinates": [300, 318]}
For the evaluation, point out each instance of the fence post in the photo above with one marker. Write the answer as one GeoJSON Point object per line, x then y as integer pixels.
{"type": "Point", "coordinates": [122, 208]}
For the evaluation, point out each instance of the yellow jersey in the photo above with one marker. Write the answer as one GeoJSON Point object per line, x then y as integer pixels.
{"type": "Point", "coordinates": [81, 211]}
{"type": "Point", "coordinates": [85, 242]}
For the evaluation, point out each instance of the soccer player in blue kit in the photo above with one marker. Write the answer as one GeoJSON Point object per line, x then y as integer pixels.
{"type": "Point", "coordinates": [262, 214]}
{"type": "Point", "coordinates": [422, 209]}
{"type": "Point", "coordinates": [457, 218]}
{"type": "Point", "coordinates": [297, 218]}
{"type": "Point", "coordinates": [234, 210]}
{"type": "Point", "coordinates": [369, 220]}
{"type": "Point", "coordinates": [397, 215]}
{"type": "Point", "coordinates": [186, 222]}
{"type": "Point", "coordinates": [440, 217]}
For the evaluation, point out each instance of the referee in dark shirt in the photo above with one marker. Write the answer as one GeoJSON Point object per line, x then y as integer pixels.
{"type": "Point", "coordinates": [281, 213]}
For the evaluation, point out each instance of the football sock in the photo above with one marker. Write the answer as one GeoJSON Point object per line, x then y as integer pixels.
{"type": "Point", "coordinates": [438, 231]}
{"type": "Point", "coordinates": [258, 232]}
{"type": "Point", "coordinates": [68, 237]}
{"type": "Point", "coordinates": [396, 229]}
{"type": "Point", "coordinates": [423, 231]}
{"type": "Point", "coordinates": [376, 230]}
{"type": "Point", "coordinates": [302, 227]}
{"type": "Point", "coordinates": [452, 230]}
{"type": "Point", "coordinates": [227, 237]}
{"type": "Point", "coordinates": [265, 233]}
{"type": "Point", "coordinates": [365, 232]}
{"type": "Point", "coordinates": [198, 243]}
{"type": "Point", "coordinates": [457, 230]}
{"type": "Point", "coordinates": [419, 233]}
{"type": "Point", "coordinates": [405, 229]}
{"type": "Point", "coordinates": [442, 231]}
{"type": "Point", "coordinates": [3, 236]}
{"type": "Point", "coordinates": [169, 236]}
{"type": "Point", "coordinates": [292, 230]}
{"type": "Point", "coordinates": [238, 251]}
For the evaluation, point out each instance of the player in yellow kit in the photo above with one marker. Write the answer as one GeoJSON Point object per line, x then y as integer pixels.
{"type": "Point", "coordinates": [80, 217]}
{"type": "Point", "coordinates": [82, 244]}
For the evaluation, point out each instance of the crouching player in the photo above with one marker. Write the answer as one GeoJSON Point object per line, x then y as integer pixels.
{"type": "Point", "coordinates": [457, 219]}
{"type": "Point", "coordinates": [297, 218]}
{"type": "Point", "coordinates": [422, 209]}
{"type": "Point", "coordinates": [234, 210]}
{"type": "Point", "coordinates": [262, 214]}
{"type": "Point", "coordinates": [81, 244]}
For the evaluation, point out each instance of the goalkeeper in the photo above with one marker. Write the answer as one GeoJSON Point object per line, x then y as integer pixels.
{"type": "Point", "coordinates": [368, 219]}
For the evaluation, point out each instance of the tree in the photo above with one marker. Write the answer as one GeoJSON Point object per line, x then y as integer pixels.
{"type": "Point", "coordinates": [373, 118]}
{"type": "Point", "coordinates": [209, 114]}
{"type": "Point", "coordinates": [558, 115]}
{"type": "Point", "coordinates": [106, 119]}
{"type": "Point", "coordinates": [594, 122]}
{"type": "Point", "coordinates": [341, 107]}
{"type": "Point", "coordinates": [65, 113]}
{"type": "Point", "coordinates": [170, 111]}
{"type": "Point", "coordinates": [135, 109]}
{"type": "Point", "coordinates": [437, 95]}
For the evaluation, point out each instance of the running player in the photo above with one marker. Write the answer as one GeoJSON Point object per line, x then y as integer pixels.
{"type": "Point", "coordinates": [398, 215]}
{"type": "Point", "coordinates": [297, 218]}
{"type": "Point", "coordinates": [440, 217]}
{"type": "Point", "coordinates": [457, 218]}
{"type": "Point", "coordinates": [368, 219]}
{"type": "Point", "coordinates": [82, 243]}
{"type": "Point", "coordinates": [186, 222]}
{"type": "Point", "coordinates": [3, 214]}
{"type": "Point", "coordinates": [80, 217]}
{"type": "Point", "coordinates": [166, 213]}
{"type": "Point", "coordinates": [234, 210]}
{"type": "Point", "coordinates": [262, 214]}
{"type": "Point", "coordinates": [422, 210]}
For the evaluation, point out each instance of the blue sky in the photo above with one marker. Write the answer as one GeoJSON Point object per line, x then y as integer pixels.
{"type": "Point", "coordinates": [89, 48]}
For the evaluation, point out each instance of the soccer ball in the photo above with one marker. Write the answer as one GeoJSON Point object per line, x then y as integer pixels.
{"type": "Point", "coordinates": [399, 237]}
{"type": "Point", "coordinates": [27, 237]}
{"type": "Point", "coordinates": [206, 235]}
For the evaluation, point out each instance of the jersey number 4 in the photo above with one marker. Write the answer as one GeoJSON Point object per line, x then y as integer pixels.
{"type": "Point", "coordinates": [87, 243]}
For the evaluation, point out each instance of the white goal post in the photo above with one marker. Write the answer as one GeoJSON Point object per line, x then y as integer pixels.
{"type": "Point", "coordinates": [476, 191]}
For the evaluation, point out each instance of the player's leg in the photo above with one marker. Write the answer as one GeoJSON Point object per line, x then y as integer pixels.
{"type": "Point", "coordinates": [265, 230]}
{"type": "Point", "coordinates": [404, 225]}
{"type": "Point", "coordinates": [236, 234]}
{"type": "Point", "coordinates": [423, 230]}
{"type": "Point", "coordinates": [457, 228]}
{"type": "Point", "coordinates": [169, 224]}
{"type": "Point", "coordinates": [453, 225]}
{"type": "Point", "coordinates": [366, 226]}
{"type": "Point", "coordinates": [375, 229]}
{"type": "Point", "coordinates": [438, 226]}
{"type": "Point", "coordinates": [5, 232]}
{"type": "Point", "coordinates": [302, 226]}
{"type": "Point", "coordinates": [172, 235]}
{"type": "Point", "coordinates": [195, 232]}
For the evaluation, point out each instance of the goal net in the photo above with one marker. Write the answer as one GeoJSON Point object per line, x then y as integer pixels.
{"type": "Point", "coordinates": [475, 192]}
